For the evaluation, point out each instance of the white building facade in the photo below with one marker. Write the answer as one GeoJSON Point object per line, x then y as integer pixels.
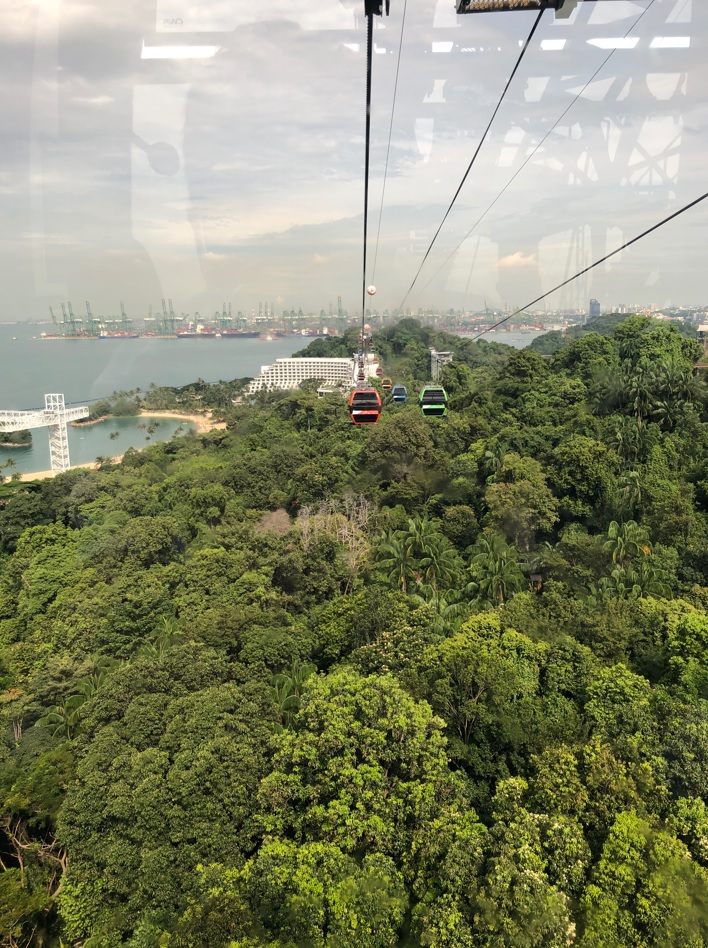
{"type": "Point", "coordinates": [289, 373]}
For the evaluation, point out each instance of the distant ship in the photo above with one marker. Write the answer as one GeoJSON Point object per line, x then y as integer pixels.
{"type": "Point", "coordinates": [119, 335]}
{"type": "Point", "coordinates": [239, 334]}
{"type": "Point", "coordinates": [199, 332]}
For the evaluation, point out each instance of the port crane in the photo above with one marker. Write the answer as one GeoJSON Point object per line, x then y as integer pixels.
{"type": "Point", "coordinates": [73, 320]}
{"type": "Point", "coordinates": [93, 323]}
{"type": "Point", "coordinates": [125, 322]}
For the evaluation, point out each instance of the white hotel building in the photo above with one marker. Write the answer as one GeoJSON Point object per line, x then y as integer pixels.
{"type": "Point", "coordinates": [288, 373]}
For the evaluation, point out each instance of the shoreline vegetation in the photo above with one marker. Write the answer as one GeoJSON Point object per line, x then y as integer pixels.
{"type": "Point", "coordinates": [16, 439]}
{"type": "Point", "coordinates": [202, 422]}
{"type": "Point", "coordinates": [89, 422]}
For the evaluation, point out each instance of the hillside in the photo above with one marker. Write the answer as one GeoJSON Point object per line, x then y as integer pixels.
{"type": "Point", "coordinates": [432, 682]}
{"type": "Point", "coordinates": [603, 325]}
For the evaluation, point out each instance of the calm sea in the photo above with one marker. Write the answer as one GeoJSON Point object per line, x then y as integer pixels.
{"type": "Point", "coordinates": [84, 370]}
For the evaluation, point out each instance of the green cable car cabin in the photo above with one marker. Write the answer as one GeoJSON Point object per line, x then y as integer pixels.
{"type": "Point", "coordinates": [433, 401]}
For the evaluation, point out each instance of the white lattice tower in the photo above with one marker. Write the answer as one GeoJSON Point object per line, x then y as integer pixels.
{"type": "Point", "coordinates": [58, 433]}
{"type": "Point", "coordinates": [55, 417]}
{"type": "Point", "coordinates": [437, 361]}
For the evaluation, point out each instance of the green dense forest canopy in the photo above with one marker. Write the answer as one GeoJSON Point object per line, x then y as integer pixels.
{"type": "Point", "coordinates": [603, 325]}
{"type": "Point", "coordinates": [430, 682]}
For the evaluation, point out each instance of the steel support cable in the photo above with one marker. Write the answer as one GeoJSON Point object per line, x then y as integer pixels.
{"type": "Point", "coordinates": [592, 266]}
{"type": "Point", "coordinates": [369, 44]}
{"type": "Point", "coordinates": [388, 147]}
{"type": "Point", "coordinates": [477, 151]}
{"type": "Point", "coordinates": [529, 157]}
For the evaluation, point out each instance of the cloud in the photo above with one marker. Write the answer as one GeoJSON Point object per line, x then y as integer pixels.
{"type": "Point", "coordinates": [94, 99]}
{"type": "Point", "coordinates": [516, 260]}
{"type": "Point", "coordinates": [269, 139]}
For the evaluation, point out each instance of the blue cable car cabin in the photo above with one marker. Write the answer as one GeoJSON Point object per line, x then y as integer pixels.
{"type": "Point", "coordinates": [365, 406]}
{"type": "Point", "coordinates": [399, 394]}
{"type": "Point", "coordinates": [433, 401]}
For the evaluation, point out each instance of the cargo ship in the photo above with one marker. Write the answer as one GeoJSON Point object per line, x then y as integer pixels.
{"type": "Point", "coordinates": [240, 334]}
{"type": "Point", "coordinates": [119, 335]}
{"type": "Point", "coordinates": [198, 332]}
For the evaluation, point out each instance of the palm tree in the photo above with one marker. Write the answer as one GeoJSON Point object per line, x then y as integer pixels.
{"type": "Point", "coordinates": [630, 491]}
{"type": "Point", "coordinates": [394, 558]}
{"type": "Point", "coordinates": [601, 592]}
{"type": "Point", "coordinates": [286, 691]}
{"type": "Point", "coordinates": [493, 459]}
{"type": "Point", "coordinates": [161, 640]}
{"type": "Point", "coordinates": [668, 411]}
{"type": "Point", "coordinates": [494, 567]}
{"type": "Point", "coordinates": [420, 535]}
{"type": "Point", "coordinates": [625, 541]}
{"type": "Point", "coordinates": [607, 389]}
{"type": "Point", "coordinates": [676, 380]}
{"type": "Point", "coordinates": [450, 607]}
{"type": "Point", "coordinates": [652, 581]}
{"type": "Point", "coordinates": [102, 665]}
{"type": "Point", "coordinates": [113, 435]}
{"type": "Point", "coordinates": [440, 563]}
{"type": "Point", "coordinates": [63, 719]}
{"type": "Point", "coordinates": [639, 390]}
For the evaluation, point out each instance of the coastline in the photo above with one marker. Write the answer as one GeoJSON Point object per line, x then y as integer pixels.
{"type": "Point", "coordinates": [203, 423]}
{"type": "Point", "coordinates": [89, 423]}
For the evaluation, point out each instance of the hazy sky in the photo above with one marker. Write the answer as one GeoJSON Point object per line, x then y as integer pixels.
{"type": "Point", "coordinates": [203, 152]}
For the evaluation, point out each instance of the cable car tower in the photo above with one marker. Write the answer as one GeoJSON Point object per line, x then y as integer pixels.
{"type": "Point", "coordinates": [55, 417]}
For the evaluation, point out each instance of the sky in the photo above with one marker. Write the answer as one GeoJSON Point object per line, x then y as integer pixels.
{"type": "Point", "coordinates": [214, 151]}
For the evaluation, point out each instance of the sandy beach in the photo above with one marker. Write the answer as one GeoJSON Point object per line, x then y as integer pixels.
{"type": "Point", "coordinates": [202, 423]}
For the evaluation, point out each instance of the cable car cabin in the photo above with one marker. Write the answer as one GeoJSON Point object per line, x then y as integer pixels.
{"type": "Point", "coordinates": [365, 406]}
{"type": "Point", "coordinates": [433, 401]}
{"type": "Point", "coordinates": [386, 384]}
{"type": "Point", "coordinates": [379, 372]}
{"type": "Point", "coordinates": [399, 394]}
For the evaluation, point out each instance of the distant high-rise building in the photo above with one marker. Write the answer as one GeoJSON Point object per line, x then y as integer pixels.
{"type": "Point", "coordinates": [594, 309]}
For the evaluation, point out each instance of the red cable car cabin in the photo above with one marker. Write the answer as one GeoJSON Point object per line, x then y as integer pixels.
{"type": "Point", "coordinates": [365, 406]}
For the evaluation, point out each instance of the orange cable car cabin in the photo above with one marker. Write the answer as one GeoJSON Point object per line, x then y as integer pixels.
{"type": "Point", "coordinates": [365, 406]}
